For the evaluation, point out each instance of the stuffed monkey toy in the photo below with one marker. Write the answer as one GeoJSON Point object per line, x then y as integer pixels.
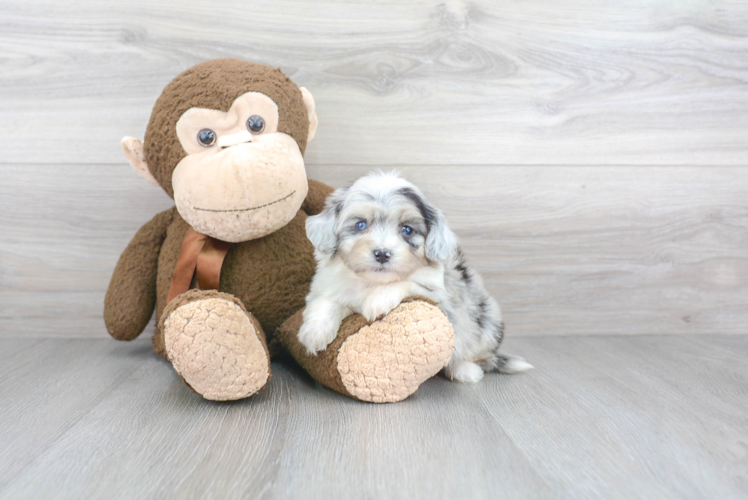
{"type": "Point", "coordinates": [228, 267]}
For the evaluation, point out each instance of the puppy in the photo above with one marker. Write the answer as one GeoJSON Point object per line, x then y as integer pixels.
{"type": "Point", "coordinates": [378, 242]}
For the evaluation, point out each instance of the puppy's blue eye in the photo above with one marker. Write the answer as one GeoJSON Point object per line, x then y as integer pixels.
{"type": "Point", "coordinates": [407, 230]}
{"type": "Point", "coordinates": [361, 225]}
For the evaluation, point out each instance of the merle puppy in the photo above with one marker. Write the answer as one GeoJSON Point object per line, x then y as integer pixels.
{"type": "Point", "coordinates": [378, 242]}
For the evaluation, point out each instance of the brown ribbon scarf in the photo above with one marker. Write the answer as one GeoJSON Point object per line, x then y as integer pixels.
{"type": "Point", "coordinates": [202, 253]}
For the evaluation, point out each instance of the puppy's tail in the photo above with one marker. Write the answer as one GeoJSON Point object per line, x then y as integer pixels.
{"type": "Point", "coordinates": [505, 363]}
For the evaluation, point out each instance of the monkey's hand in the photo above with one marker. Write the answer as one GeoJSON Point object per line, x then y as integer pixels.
{"type": "Point", "coordinates": [131, 296]}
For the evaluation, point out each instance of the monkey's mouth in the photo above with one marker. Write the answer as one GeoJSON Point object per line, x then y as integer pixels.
{"type": "Point", "coordinates": [247, 209]}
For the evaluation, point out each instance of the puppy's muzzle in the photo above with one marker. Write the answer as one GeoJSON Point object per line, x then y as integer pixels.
{"type": "Point", "coordinates": [382, 255]}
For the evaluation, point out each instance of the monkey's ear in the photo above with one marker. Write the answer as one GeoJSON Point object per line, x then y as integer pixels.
{"type": "Point", "coordinates": [309, 103]}
{"type": "Point", "coordinates": [133, 149]}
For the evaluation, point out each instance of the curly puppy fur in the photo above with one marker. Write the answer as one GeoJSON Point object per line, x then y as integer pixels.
{"type": "Point", "coordinates": [380, 241]}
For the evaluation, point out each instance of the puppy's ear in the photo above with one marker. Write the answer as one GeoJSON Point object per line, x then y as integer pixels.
{"type": "Point", "coordinates": [320, 229]}
{"type": "Point", "coordinates": [441, 242]}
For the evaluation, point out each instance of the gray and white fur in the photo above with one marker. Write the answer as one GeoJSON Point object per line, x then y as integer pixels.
{"type": "Point", "coordinates": [379, 241]}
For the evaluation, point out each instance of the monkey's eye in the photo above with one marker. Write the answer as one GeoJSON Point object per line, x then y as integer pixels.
{"type": "Point", "coordinates": [256, 124]}
{"type": "Point", "coordinates": [206, 137]}
{"type": "Point", "coordinates": [361, 225]}
{"type": "Point", "coordinates": [407, 230]}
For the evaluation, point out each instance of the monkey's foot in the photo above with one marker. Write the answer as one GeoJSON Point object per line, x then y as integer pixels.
{"type": "Point", "coordinates": [215, 345]}
{"type": "Point", "coordinates": [382, 362]}
{"type": "Point", "coordinates": [386, 361]}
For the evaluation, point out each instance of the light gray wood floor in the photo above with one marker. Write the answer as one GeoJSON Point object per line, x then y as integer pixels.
{"type": "Point", "coordinates": [600, 417]}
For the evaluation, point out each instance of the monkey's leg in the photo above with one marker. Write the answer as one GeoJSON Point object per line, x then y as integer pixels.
{"type": "Point", "coordinates": [214, 344]}
{"type": "Point", "coordinates": [381, 362]}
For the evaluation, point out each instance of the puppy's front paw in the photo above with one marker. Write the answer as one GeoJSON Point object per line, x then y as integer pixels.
{"type": "Point", "coordinates": [464, 371]}
{"type": "Point", "coordinates": [316, 334]}
{"type": "Point", "coordinates": [379, 305]}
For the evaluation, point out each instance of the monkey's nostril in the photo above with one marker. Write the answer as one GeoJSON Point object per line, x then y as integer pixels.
{"type": "Point", "coordinates": [382, 255]}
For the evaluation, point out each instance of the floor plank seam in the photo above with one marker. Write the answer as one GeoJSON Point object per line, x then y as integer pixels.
{"type": "Point", "coordinates": [50, 443]}
{"type": "Point", "coordinates": [517, 447]}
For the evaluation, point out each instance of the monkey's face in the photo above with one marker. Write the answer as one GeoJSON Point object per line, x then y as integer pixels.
{"type": "Point", "coordinates": [241, 178]}
{"type": "Point", "coordinates": [225, 140]}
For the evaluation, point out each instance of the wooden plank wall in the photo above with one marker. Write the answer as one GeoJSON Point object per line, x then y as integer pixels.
{"type": "Point", "coordinates": [590, 154]}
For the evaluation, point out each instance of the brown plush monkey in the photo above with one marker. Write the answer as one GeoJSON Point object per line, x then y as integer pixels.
{"type": "Point", "coordinates": [227, 269]}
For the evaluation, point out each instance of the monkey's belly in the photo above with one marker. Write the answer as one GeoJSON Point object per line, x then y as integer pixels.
{"type": "Point", "coordinates": [271, 275]}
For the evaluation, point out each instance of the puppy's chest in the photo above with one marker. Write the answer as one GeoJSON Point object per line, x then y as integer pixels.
{"type": "Point", "coordinates": [429, 285]}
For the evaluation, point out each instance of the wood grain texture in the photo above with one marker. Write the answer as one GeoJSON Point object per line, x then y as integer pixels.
{"type": "Point", "coordinates": [565, 250]}
{"type": "Point", "coordinates": [49, 386]}
{"type": "Point", "coordinates": [64, 228]}
{"type": "Point", "coordinates": [621, 410]}
{"type": "Point", "coordinates": [423, 82]}
{"type": "Point", "coordinates": [652, 417]}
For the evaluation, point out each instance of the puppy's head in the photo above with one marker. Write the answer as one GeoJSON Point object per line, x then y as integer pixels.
{"type": "Point", "coordinates": [382, 228]}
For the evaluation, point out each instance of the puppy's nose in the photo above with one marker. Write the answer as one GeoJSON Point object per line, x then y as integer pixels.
{"type": "Point", "coordinates": [382, 255]}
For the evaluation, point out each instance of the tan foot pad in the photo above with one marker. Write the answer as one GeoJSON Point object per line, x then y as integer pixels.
{"type": "Point", "coordinates": [214, 347]}
{"type": "Point", "coordinates": [386, 361]}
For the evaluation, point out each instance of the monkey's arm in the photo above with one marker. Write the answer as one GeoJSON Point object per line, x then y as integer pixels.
{"type": "Point", "coordinates": [315, 198]}
{"type": "Point", "coordinates": [131, 295]}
